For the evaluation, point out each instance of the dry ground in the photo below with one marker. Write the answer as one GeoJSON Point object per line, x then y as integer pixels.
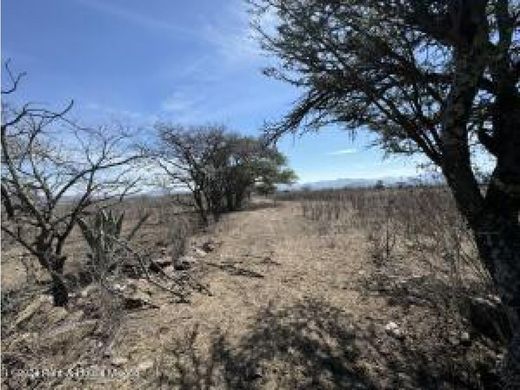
{"type": "Point", "coordinates": [291, 308]}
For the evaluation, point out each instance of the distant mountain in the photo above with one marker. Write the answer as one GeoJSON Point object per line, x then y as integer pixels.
{"type": "Point", "coordinates": [389, 181]}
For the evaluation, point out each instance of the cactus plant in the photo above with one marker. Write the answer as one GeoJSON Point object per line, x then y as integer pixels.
{"type": "Point", "coordinates": [102, 234]}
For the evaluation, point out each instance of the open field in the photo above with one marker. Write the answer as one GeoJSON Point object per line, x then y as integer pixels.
{"type": "Point", "coordinates": [339, 289]}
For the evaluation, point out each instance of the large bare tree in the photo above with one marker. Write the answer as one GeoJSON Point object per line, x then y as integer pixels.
{"type": "Point", "coordinates": [53, 173]}
{"type": "Point", "coordinates": [437, 77]}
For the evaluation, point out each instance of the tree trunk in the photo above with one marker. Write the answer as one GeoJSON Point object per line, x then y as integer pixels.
{"type": "Point", "coordinates": [493, 218]}
{"type": "Point", "coordinates": [60, 293]}
{"type": "Point", "coordinates": [498, 243]}
{"type": "Point", "coordinates": [199, 205]}
{"type": "Point", "coordinates": [54, 265]}
{"type": "Point", "coordinates": [230, 201]}
{"type": "Point", "coordinates": [239, 198]}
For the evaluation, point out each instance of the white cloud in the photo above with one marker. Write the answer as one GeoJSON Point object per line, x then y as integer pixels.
{"type": "Point", "coordinates": [234, 37]}
{"type": "Point", "coordinates": [342, 152]}
{"type": "Point", "coordinates": [136, 18]}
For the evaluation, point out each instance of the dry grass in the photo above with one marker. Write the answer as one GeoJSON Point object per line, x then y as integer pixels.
{"type": "Point", "coordinates": [301, 292]}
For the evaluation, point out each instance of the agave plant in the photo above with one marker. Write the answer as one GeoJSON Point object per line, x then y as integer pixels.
{"type": "Point", "coordinates": [103, 234]}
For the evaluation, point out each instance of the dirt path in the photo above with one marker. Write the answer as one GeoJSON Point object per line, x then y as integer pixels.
{"type": "Point", "coordinates": [289, 309]}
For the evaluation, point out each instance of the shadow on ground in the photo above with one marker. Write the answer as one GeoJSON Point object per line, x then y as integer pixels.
{"type": "Point", "coordinates": [307, 346]}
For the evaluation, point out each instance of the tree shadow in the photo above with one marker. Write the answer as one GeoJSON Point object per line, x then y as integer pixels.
{"type": "Point", "coordinates": [312, 345]}
{"type": "Point", "coordinates": [307, 346]}
{"type": "Point", "coordinates": [304, 346]}
{"type": "Point", "coordinates": [470, 300]}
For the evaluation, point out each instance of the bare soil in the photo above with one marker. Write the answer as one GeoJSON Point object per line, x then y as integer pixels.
{"type": "Point", "coordinates": [292, 308]}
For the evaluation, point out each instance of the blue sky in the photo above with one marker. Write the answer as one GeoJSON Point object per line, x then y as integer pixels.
{"type": "Point", "coordinates": [184, 61]}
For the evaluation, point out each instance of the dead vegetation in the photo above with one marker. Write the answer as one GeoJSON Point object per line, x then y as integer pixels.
{"type": "Point", "coordinates": [405, 307]}
{"type": "Point", "coordinates": [126, 266]}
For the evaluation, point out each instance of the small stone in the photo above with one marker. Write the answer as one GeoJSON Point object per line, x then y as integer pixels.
{"type": "Point", "coordinates": [139, 285]}
{"type": "Point", "coordinates": [163, 262]}
{"type": "Point", "coordinates": [137, 300]}
{"type": "Point", "coordinates": [465, 338]}
{"type": "Point", "coordinates": [169, 270]}
{"type": "Point", "coordinates": [454, 340]}
{"type": "Point", "coordinates": [119, 287]}
{"type": "Point", "coordinates": [404, 378]}
{"type": "Point", "coordinates": [393, 329]}
{"type": "Point", "coordinates": [199, 252]}
{"type": "Point", "coordinates": [87, 291]}
{"type": "Point", "coordinates": [145, 365]}
{"type": "Point", "coordinates": [184, 263]}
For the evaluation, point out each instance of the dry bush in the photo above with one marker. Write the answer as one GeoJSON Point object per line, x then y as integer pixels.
{"type": "Point", "coordinates": [418, 221]}
{"type": "Point", "coordinates": [97, 297]}
{"type": "Point", "coordinates": [412, 233]}
{"type": "Point", "coordinates": [421, 254]}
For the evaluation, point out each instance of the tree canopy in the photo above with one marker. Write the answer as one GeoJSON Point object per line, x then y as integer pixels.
{"type": "Point", "coordinates": [219, 167]}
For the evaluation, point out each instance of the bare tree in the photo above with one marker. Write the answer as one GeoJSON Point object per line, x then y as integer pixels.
{"type": "Point", "coordinates": [438, 77]}
{"type": "Point", "coordinates": [53, 173]}
{"type": "Point", "coordinates": [185, 156]}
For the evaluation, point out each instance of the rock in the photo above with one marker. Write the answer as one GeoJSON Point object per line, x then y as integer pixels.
{"type": "Point", "coordinates": [465, 338]}
{"type": "Point", "coordinates": [160, 263]}
{"type": "Point", "coordinates": [137, 300]}
{"type": "Point", "coordinates": [184, 263]}
{"type": "Point", "coordinates": [119, 287]}
{"type": "Point", "coordinates": [199, 252]}
{"type": "Point", "coordinates": [393, 329]}
{"type": "Point", "coordinates": [71, 332]}
{"type": "Point", "coordinates": [89, 290]}
{"type": "Point", "coordinates": [32, 308]}
{"type": "Point", "coordinates": [145, 365]}
{"type": "Point", "coordinates": [208, 246]}
{"type": "Point", "coordinates": [494, 298]}
{"type": "Point", "coordinates": [119, 361]}
{"type": "Point", "coordinates": [255, 375]}
{"type": "Point", "coordinates": [169, 270]}
{"type": "Point", "coordinates": [455, 341]}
